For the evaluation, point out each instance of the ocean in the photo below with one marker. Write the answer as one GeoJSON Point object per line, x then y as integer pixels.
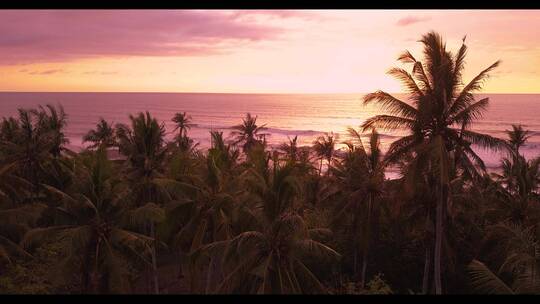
{"type": "Point", "coordinates": [285, 115]}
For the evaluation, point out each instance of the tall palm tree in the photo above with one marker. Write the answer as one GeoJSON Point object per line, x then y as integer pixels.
{"type": "Point", "coordinates": [439, 114]}
{"type": "Point", "coordinates": [248, 132]}
{"type": "Point", "coordinates": [324, 147]}
{"type": "Point", "coordinates": [103, 135]}
{"type": "Point", "coordinates": [143, 144]}
{"type": "Point", "coordinates": [361, 174]}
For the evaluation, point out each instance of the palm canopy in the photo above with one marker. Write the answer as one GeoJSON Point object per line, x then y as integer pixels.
{"type": "Point", "coordinates": [290, 149]}
{"type": "Point", "coordinates": [517, 137]}
{"type": "Point", "coordinates": [439, 104]}
{"type": "Point", "coordinates": [324, 148]}
{"type": "Point", "coordinates": [519, 248]}
{"type": "Point", "coordinates": [519, 176]}
{"type": "Point", "coordinates": [104, 134]}
{"type": "Point", "coordinates": [271, 257]}
{"type": "Point", "coordinates": [54, 121]}
{"type": "Point", "coordinates": [143, 143]}
{"type": "Point", "coordinates": [248, 132]}
{"type": "Point", "coordinates": [26, 143]}
{"type": "Point", "coordinates": [92, 220]}
{"type": "Point", "coordinates": [183, 123]}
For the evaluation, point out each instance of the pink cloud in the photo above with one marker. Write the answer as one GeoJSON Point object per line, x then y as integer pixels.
{"type": "Point", "coordinates": [48, 36]}
{"type": "Point", "coordinates": [100, 73]}
{"type": "Point", "coordinates": [46, 72]}
{"type": "Point", "coordinates": [411, 20]}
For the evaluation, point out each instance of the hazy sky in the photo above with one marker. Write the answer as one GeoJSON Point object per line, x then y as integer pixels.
{"type": "Point", "coordinates": [290, 51]}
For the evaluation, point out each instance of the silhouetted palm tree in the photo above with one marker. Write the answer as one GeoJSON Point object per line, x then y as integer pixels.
{"type": "Point", "coordinates": [144, 146]}
{"type": "Point", "coordinates": [517, 137]}
{"type": "Point", "coordinates": [53, 121]}
{"type": "Point", "coordinates": [324, 149]}
{"type": "Point", "coordinates": [103, 135]}
{"type": "Point", "coordinates": [183, 123]}
{"type": "Point", "coordinates": [27, 145]}
{"type": "Point", "coordinates": [248, 132]}
{"type": "Point", "coordinates": [290, 149]}
{"type": "Point", "coordinates": [438, 116]}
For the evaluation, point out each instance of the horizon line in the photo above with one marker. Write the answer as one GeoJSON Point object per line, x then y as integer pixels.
{"type": "Point", "coordinates": [249, 93]}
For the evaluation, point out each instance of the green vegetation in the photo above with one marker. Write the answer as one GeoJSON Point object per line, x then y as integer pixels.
{"type": "Point", "coordinates": [168, 217]}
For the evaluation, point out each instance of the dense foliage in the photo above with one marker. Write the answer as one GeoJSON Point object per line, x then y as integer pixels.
{"type": "Point", "coordinates": [240, 217]}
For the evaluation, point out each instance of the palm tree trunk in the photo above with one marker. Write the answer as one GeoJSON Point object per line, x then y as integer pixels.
{"type": "Point", "coordinates": [329, 160]}
{"type": "Point", "coordinates": [320, 168]}
{"type": "Point", "coordinates": [427, 263]}
{"type": "Point", "coordinates": [355, 229]}
{"type": "Point", "coordinates": [154, 261]}
{"type": "Point", "coordinates": [427, 266]}
{"type": "Point", "coordinates": [210, 276]}
{"type": "Point", "coordinates": [438, 238]}
{"type": "Point", "coordinates": [366, 245]}
{"type": "Point", "coordinates": [180, 268]}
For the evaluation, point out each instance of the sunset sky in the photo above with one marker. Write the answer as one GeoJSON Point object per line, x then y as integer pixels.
{"type": "Point", "coordinates": [292, 51]}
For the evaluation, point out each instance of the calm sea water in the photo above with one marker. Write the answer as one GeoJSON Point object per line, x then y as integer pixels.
{"type": "Point", "coordinates": [285, 115]}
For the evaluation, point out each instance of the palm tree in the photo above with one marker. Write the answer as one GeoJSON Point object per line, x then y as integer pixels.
{"type": "Point", "coordinates": [519, 177]}
{"type": "Point", "coordinates": [91, 226]}
{"type": "Point", "coordinates": [290, 149]}
{"type": "Point", "coordinates": [54, 122]}
{"type": "Point", "coordinates": [248, 132]}
{"type": "Point", "coordinates": [143, 144]}
{"type": "Point", "coordinates": [361, 174]}
{"type": "Point", "coordinates": [439, 114]}
{"type": "Point", "coordinates": [15, 218]}
{"type": "Point", "coordinates": [324, 149]}
{"type": "Point", "coordinates": [26, 145]}
{"type": "Point", "coordinates": [103, 135]}
{"type": "Point", "coordinates": [517, 137]}
{"type": "Point", "coordinates": [521, 262]}
{"type": "Point", "coordinates": [183, 123]}
{"type": "Point", "coordinates": [270, 257]}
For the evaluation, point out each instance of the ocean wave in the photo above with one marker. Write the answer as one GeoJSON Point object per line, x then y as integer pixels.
{"type": "Point", "coordinates": [267, 130]}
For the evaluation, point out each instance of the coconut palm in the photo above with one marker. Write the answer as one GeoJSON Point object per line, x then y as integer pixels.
{"type": "Point", "coordinates": [26, 144]}
{"type": "Point", "coordinates": [53, 121]}
{"type": "Point", "coordinates": [183, 123]}
{"type": "Point", "coordinates": [519, 178]}
{"type": "Point", "coordinates": [290, 149]}
{"type": "Point", "coordinates": [90, 226]}
{"type": "Point", "coordinates": [521, 262]}
{"type": "Point", "coordinates": [248, 133]}
{"type": "Point", "coordinates": [439, 114]}
{"type": "Point", "coordinates": [517, 137]}
{"type": "Point", "coordinates": [271, 257]}
{"type": "Point", "coordinates": [143, 144]}
{"type": "Point", "coordinates": [103, 135]}
{"type": "Point", "coordinates": [15, 218]}
{"type": "Point", "coordinates": [361, 174]}
{"type": "Point", "coordinates": [324, 149]}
